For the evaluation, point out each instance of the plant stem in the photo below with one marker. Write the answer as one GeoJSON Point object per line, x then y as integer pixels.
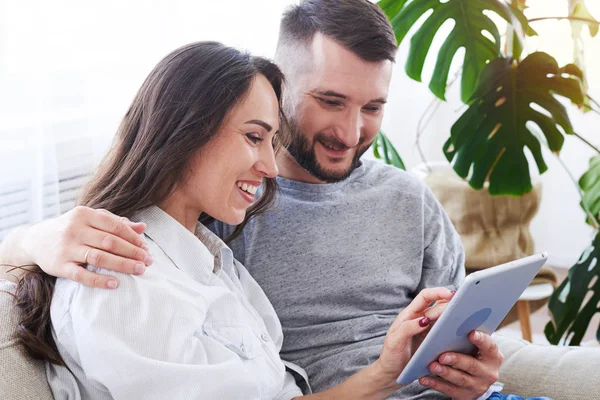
{"type": "Point", "coordinates": [589, 214]}
{"type": "Point", "coordinates": [429, 112]}
{"type": "Point", "coordinates": [593, 101]}
{"type": "Point", "coordinates": [591, 21]}
{"type": "Point", "coordinates": [435, 105]}
{"type": "Point", "coordinates": [586, 142]}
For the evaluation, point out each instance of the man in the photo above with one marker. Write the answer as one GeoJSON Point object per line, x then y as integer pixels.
{"type": "Point", "coordinates": [349, 243]}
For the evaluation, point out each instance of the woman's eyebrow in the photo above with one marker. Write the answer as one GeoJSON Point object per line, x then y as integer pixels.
{"type": "Point", "coordinates": [261, 123]}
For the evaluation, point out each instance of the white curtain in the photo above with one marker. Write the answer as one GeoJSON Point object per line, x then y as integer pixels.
{"type": "Point", "coordinates": [68, 71]}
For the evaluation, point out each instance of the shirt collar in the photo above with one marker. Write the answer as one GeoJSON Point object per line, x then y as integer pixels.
{"type": "Point", "coordinates": [198, 255]}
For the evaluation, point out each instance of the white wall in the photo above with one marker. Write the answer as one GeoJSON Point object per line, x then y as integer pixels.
{"type": "Point", "coordinates": [559, 226]}
{"type": "Point", "coordinates": [69, 68]}
{"type": "Point", "coordinates": [68, 60]}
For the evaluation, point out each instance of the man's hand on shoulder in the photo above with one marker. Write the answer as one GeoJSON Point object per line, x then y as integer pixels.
{"type": "Point", "coordinates": [462, 376]}
{"type": "Point", "coordinates": [62, 246]}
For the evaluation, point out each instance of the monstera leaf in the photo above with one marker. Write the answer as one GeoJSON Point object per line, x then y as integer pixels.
{"type": "Point", "coordinates": [580, 17]}
{"type": "Point", "coordinates": [570, 316]}
{"type": "Point", "coordinates": [581, 13]}
{"type": "Point", "coordinates": [384, 150]}
{"type": "Point", "coordinates": [488, 140]}
{"type": "Point", "coordinates": [470, 23]}
{"type": "Point", "coordinates": [590, 185]}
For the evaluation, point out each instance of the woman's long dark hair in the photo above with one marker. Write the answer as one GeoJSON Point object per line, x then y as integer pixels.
{"type": "Point", "coordinates": [178, 109]}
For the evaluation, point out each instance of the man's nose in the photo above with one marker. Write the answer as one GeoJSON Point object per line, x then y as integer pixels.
{"type": "Point", "coordinates": [351, 130]}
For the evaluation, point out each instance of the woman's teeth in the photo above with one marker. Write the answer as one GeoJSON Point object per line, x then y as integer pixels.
{"type": "Point", "coordinates": [247, 188]}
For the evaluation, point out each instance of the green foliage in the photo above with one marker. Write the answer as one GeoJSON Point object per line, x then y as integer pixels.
{"type": "Point", "coordinates": [487, 143]}
{"type": "Point", "coordinates": [470, 23]}
{"type": "Point", "coordinates": [590, 185]}
{"type": "Point", "coordinates": [488, 140]}
{"type": "Point", "coordinates": [384, 150]}
{"type": "Point", "coordinates": [571, 310]}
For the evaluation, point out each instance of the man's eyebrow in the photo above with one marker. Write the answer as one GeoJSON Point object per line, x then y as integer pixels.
{"type": "Point", "coordinates": [331, 93]}
{"type": "Point", "coordinates": [268, 127]}
{"type": "Point", "coordinates": [379, 100]}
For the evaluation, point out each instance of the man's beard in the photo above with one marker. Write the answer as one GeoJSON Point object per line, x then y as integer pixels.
{"type": "Point", "coordinates": [305, 155]}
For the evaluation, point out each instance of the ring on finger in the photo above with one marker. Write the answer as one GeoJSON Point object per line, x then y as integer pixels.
{"type": "Point", "coordinates": [85, 258]}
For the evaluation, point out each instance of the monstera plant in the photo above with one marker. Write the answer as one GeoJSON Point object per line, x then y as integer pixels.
{"type": "Point", "coordinates": [513, 102]}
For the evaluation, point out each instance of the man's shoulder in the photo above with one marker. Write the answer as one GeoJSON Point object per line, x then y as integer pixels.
{"type": "Point", "coordinates": [221, 229]}
{"type": "Point", "coordinates": [379, 174]}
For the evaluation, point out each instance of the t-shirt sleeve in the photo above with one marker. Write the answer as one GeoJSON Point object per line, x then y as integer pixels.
{"type": "Point", "coordinates": [443, 255]}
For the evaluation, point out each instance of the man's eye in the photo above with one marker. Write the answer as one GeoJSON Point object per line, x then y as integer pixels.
{"type": "Point", "coordinates": [332, 103]}
{"type": "Point", "coordinates": [254, 138]}
{"type": "Point", "coordinates": [373, 109]}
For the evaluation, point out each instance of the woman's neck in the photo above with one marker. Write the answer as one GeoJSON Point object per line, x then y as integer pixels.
{"type": "Point", "coordinates": [181, 212]}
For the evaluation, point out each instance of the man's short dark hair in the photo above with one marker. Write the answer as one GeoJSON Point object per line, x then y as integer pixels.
{"type": "Point", "coordinates": [358, 25]}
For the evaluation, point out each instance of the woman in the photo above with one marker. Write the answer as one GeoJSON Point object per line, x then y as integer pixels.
{"type": "Point", "coordinates": [196, 143]}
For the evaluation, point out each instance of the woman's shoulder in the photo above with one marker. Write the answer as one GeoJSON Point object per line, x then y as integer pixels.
{"type": "Point", "coordinates": [161, 280]}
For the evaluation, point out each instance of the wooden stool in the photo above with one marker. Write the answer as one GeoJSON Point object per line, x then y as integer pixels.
{"type": "Point", "coordinates": [532, 293]}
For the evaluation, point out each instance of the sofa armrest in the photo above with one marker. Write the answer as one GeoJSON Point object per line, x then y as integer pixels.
{"type": "Point", "coordinates": [558, 372]}
{"type": "Point", "coordinates": [20, 376]}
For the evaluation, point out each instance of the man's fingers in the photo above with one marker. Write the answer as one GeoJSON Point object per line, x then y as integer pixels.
{"type": "Point", "coordinates": [115, 245]}
{"type": "Point", "coordinates": [107, 222]}
{"type": "Point", "coordinates": [488, 349]}
{"type": "Point", "coordinates": [456, 376]}
{"type": "Point", "coordinates": [79, 274]}
{"type": "Point", "coordinates": [468, 364]}
{"type": "Point", "coordinates": [138, 227]}
{"type": "Point", "coordinates": [482, 369]}
{"type": "Point", "coordinates": [102, 259]}
{"type": "Point", "coordinates": [450, 390]}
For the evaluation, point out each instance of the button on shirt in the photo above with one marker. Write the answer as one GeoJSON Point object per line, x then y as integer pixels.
{"type": "Point", "coordinates": [195, 325]}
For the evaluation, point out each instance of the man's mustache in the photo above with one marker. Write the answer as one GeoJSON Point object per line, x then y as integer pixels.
{"type": "Point", "coordinates": [334, 143]}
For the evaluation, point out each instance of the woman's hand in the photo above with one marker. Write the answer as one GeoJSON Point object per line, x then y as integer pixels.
{"type": "Point", "coordinates": [408, 331]}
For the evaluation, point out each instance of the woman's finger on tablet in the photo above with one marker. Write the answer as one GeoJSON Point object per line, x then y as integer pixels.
{"type": "Point", "coordinates": [423, 300]}
{"type": "Point", "coordinates": [434, 312]}
{"type": "Point", "coordinates": [398, 345]}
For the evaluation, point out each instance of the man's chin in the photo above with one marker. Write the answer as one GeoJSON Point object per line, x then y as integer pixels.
{"type": "Point", "coordinates": [332, 172]}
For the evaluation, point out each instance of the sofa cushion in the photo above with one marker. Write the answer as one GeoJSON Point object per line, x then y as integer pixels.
{"type": "Point", "coordinates": [528, 370]}
{"type": "Point", "coordinates": [20, 376]}
{"type": "Point", "coordinates": [558, 372]}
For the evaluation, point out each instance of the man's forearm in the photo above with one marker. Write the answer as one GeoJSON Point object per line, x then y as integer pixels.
{"type": "Point", "coordinates": [13, 247]}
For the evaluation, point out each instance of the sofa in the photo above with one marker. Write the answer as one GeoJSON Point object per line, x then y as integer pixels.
{"type": "Point", "coordinates": [529, 370]}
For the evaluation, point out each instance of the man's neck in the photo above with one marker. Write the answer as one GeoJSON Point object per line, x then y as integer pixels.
{"type": "Point", "coordinates": [290, 169]}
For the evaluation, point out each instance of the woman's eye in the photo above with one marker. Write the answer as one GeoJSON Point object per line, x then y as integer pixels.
{"type": "Point", "coordinates": [254, 138]}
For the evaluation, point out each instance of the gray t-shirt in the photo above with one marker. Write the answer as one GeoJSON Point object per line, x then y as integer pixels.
{"type": "Point", "coordinates": [340, 261]}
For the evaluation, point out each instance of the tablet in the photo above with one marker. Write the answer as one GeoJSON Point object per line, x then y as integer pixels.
{"type": "Point", "coordinates": [481, 303]}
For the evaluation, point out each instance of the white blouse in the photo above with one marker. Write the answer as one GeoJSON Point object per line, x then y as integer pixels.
{"type": "Point", "coordinates": [195, 325]}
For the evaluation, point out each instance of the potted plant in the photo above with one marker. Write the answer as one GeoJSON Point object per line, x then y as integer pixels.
{"type": "Point", "coordinates": [486, 146]}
